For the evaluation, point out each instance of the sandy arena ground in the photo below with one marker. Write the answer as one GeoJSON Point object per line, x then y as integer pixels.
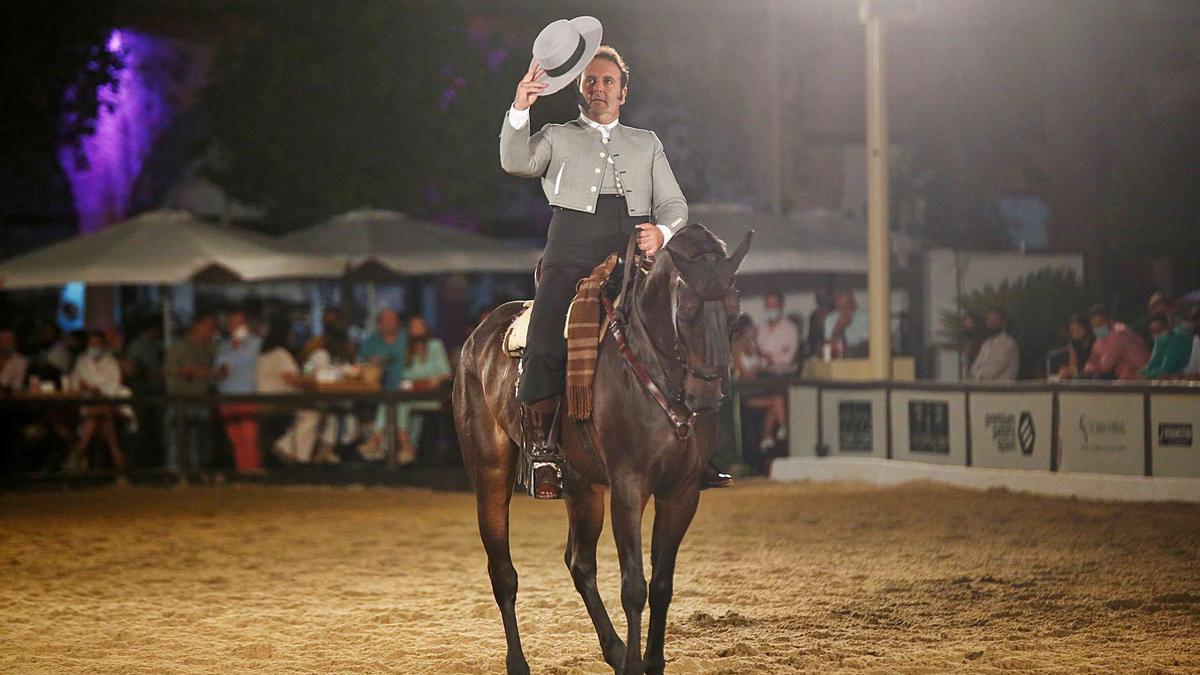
{"type": "Point", "coordinates": [773, 578]}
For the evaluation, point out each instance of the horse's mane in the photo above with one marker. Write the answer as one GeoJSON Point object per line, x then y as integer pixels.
{"type": "Point", "coordinates": [695, 240]}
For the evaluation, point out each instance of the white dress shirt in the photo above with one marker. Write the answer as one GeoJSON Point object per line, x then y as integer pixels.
{"type": "Point", "coordinates": [519, 118]}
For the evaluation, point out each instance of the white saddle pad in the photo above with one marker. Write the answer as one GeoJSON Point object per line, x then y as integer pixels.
{"type": "Point", "coordinates": [518, 330]}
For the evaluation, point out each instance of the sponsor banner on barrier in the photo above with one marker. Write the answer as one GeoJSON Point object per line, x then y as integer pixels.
{"type": "Point", "coordinates": [854, 422]}
{"type": "Point", "coordinates": [1174, 421]}
{"type": "Point", "coordinates": [929, 426]}
{"type": "Point", "coordinates": [1011, 431]}
{"type": "Point", "coordinates": [1102, 433]}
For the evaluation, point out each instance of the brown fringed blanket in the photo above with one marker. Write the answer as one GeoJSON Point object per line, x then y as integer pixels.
{"type": "Point", "coordinates": [584, 329]}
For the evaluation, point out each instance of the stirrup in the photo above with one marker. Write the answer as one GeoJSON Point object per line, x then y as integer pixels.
{"type": "Point", "coordinates": [552, 460]}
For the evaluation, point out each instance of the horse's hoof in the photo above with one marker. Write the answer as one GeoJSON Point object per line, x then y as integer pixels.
{"type": "Point", "coordinates": [517, 665]}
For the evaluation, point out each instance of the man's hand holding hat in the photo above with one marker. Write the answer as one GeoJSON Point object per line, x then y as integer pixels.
{"type": "Point", "coordinates": [528, 89]}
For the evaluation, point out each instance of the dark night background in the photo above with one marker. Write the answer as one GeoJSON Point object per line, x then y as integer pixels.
{"type": "Point", "coordinates": [294, 111]}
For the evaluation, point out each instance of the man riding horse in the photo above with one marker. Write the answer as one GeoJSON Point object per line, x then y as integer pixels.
{"type": "Point", "coordinates": [604, 181]}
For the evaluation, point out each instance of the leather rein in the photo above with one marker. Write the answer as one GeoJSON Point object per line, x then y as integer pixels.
{"type": "Point", "coordinates": [682, 418]}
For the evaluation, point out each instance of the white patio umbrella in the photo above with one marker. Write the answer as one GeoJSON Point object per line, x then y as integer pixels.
{"type": "Point", "coordinates": [162, 248]}
{"type": "Point", "coordinates": [408, 246]}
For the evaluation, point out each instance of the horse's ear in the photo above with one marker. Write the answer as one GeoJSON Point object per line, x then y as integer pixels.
{"type": "Point", "coordinates": [740, 252]}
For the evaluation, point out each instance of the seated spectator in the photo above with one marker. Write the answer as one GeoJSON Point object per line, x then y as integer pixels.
{"type": "Point", "coordinates": [1118, 353]}
{"type": "Point", "coordinates": [779, 339]}
{"type": "Point", "coordinates": [1172, 348]}
{"type": "Point", "coordinates": [1079, 346]}
{"type": "Point", "coordinates": [144, 359]}
{"type": "Point", "coordinates": [235, 368]}
{"type": "Point", "coordinates": [1192, 369]}
{"type": "Point", "coordinates": [747, 363]}
{"type": "Point", "coordinates": [315, 435]}
{"type": "Point", "coordinates": [426, 367]}
{"type": "Point", "coordinates": [386, 349]}
{"type": "Point", "coordinates": [187, 370]}
{"type": "Point", "coordinates": [973, 335]}
{"type": "Point", "coordinates": [53, 358]}
{"type": "Point", "coordinates": [98, 372]}
{"type": "Point", "coordinates": [816, 320]}
{"type": "Point", "coordinates": [999, 357]}
{"type": "Point", "coordinates": [13, 366]}
{"type": "Point", "coordinates": [276, 372]}
{"type": "Point", "coordinates": [847, 329]}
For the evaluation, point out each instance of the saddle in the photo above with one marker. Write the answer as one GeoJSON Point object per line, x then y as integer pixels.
{"type": "Point", "coordinates": [516, 336]}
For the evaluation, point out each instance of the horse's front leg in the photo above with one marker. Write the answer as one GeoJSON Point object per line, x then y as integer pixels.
{"type": "Point", "coordinates": [672, 516]}
{"type": "Point", "coordinates": [628, 504]}
{"type": "Point", "coordinates": [585, 507]}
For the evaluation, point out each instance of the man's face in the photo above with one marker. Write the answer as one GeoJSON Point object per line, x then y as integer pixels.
{"type": "Point", "coordinates": [994, 321]}
{"type": "Point", "coordinates": [1099, 321]}
{"type": "Point", "coordinates": [95, 341]}
{"type": "Point", "coordinates": [1157, 328]}
{"type": "Point", "coordinates": [602, 92]}
{"type": "Point", "coordinates": [388, 322]}
{"type": "Point", "coordinates": [773, 304]}
{"type": "Point", "coordinates": [234, 321]}
{"type": "Point", "coordinates": [844, 302]}
{"type": "Point", "coordinates": [1077, 330]}
{"type": "Point", "coordinates": [203, 329]}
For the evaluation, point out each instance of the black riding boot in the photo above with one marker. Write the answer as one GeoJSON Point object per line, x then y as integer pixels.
{"type": "Point", "coordinates": [543, 461]}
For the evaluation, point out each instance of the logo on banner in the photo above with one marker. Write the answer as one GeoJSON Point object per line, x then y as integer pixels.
{"type": "Point", "coordinates": [1010, 431]}
{"type": "Point", "coordinates": [855, 426]}
{"type": "Point", "coordinates": [1102, 435]}
{"type": "Point", "coordinates": [1026, 433]}
{"type": "Point", "coordinates": [1175, 435]}
{"type": "Point", "coordinates": [929, 427]}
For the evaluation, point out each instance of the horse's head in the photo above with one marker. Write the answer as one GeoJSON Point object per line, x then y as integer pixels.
{"type": "Point", "coordinates": [704, 303]}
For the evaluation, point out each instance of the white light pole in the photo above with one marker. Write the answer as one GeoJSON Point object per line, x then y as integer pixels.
{"type": "Point", "coordinates": [879, 289]}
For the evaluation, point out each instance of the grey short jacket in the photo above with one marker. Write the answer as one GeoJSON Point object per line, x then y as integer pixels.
{"type": "Point", "coordinates": [566, 157]}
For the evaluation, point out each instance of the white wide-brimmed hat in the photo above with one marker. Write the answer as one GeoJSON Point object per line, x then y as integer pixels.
{"type": "Point", "coordinates": [564, 48]}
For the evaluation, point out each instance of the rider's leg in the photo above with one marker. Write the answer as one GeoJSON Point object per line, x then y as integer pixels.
{"type": "Point", "coordinates": [543, 372]}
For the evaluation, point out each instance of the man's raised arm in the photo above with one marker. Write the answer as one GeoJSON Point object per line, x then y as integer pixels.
{"type": "Point", "coordinates": [522, 154]}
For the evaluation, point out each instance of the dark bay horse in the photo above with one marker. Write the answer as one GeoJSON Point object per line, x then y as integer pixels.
{"type": "Point", "coordinates": [674, 332]}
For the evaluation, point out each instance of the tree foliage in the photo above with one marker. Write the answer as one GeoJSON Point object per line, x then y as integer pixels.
{"type": "Point", "coordinates": [53, 77]}
{"type": "Point", "coordinates": [339, 105]}
{"type": "Point", "coordinates": [1038, 304]}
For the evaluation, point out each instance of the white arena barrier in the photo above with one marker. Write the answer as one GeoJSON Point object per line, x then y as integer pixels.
{"type": "Point", "coordinates": [1098, 440]}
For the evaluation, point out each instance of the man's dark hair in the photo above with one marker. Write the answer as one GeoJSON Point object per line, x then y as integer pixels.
{"type": "Point", "coordinates": [1100, 310]}
{"type": "Point", "coordinates": [609, 54]}
{"type": "Point", "coordinates": [773, 293]}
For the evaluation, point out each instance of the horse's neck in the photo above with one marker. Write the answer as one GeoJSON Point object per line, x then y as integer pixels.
{"type": "Point", "coordinates": [652, 308]}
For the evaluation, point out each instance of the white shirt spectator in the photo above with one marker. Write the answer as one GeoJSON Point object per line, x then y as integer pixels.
{"type": "Point", "coordinates": [101, 373]}
{"type": "Point", "coordinates": [272, 366]}
{"type": "Point", "coordinates": [998, 360]}
{"type": "Point", "coordinates": [778, 341]}
{"type": "Point", "coordinates": [12, 373]}
{"type": "Point", "coordinates": [1193, 364]}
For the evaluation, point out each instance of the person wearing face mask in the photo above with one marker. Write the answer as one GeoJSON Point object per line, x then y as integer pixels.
{"type": "Point", "coordinates": [778, 339]}
{"type": "Point", "coordinates": [426, 367]}
{"type": "Point", "coordinates": [1118, 353]}
{"type": "Point", "coordinates": [999, 357]}
{"type": "Point", "coordinates": [97, 371]}
{"type": "Point", "coordinates": [1172, 348]}
{"type": "Point", "coordinates": [235, 370]}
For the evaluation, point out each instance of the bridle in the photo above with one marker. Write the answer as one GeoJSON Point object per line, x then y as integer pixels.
{"type": "Point", "coordinates": [681, 415]}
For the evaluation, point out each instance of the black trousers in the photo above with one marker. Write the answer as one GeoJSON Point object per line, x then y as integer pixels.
{"type": "Point", "coordinates": [575, 244]}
